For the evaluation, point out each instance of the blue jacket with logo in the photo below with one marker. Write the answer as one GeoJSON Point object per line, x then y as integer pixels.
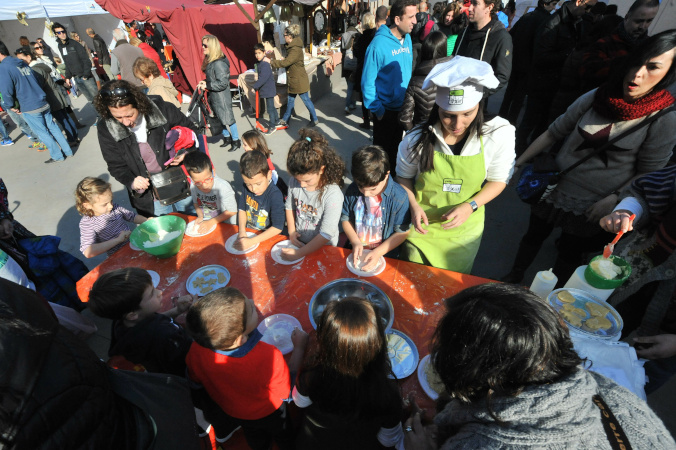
{"type": "Point", "coordinates": [18, 82]}
{"type": "Point", "coordinates": [388, 66]}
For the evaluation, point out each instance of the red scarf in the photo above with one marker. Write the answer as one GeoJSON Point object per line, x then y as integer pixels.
{"type": "Point", "coordinates": [609, 103]}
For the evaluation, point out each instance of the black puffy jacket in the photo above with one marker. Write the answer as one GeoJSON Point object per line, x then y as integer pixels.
{"type": "Point", "coordinates": [76, 59]}
{"type": "Point", "coordinates": [418, 102]}
{"type": "Point", "coordinates": [101, 49]}
{"type": "Point", "coordinates": [71, 404]}
{"type": "Point", "coordinates": [491, 44]}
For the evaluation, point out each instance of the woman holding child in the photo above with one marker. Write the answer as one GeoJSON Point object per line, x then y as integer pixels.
{"type": "Point", "coordinates": [452, 165]}
{"type": "Point", "coordinates": [132, 134]}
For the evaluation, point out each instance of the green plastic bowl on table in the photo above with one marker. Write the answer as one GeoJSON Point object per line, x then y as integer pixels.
{"type": "Point", "coordinates": [599, 282]}
{"type": "Point", "coordinates": [147, 230]}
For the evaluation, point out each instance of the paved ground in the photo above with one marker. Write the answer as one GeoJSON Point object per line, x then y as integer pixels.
{"type": "Point", "coordinates": [41, 197]}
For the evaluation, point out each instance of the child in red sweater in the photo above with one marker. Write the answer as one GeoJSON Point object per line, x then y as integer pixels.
{"type": "Point", "coordinates": [246, 378]}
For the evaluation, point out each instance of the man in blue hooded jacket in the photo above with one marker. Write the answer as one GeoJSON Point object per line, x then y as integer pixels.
{"type": "Point", "coordinates": [22, 94]}
{"type": "Point", "coordinates": [387, 70]}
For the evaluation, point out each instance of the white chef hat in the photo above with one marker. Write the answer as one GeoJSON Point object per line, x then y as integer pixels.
{"type": "Point", "coordinates": [460, 82]}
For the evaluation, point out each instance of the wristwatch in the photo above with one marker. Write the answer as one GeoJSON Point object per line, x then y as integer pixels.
{"type": "Point", "coordinates": [473, 204]}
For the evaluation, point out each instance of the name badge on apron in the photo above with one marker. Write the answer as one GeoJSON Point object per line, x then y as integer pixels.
{"type": "Point", "coordinates": [452, 185]}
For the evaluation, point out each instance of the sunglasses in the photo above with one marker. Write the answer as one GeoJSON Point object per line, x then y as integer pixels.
{"type": "Point", "coordinates": [204, 46]}
{"type": "Point", "coordinates": [117, 92]}
{"type": "Point", "coordinates": [60, 32]}
{"type": "Point", "coordinates": [38, 47]}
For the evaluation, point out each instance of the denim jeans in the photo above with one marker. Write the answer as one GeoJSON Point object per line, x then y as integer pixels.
{"type": "Point", "coordinates": [233, 131]}
{"type": "Point", "coordinates": [18, 120]}
{"type": "Point", "coordinates": [67, 124]}
{"type": "Point", "coordinates": [272, 111]}
{"type": "Point", "coordinates": [49, 133]}
{"type": "Point", "coordinates": [3, 130]}
{"type": "Point", "coordinates": [87, 87]}
{"type": "Point", "coordinates": [308, 104]}
{"type": "Point", "coordinates": [348, 96]}
{"type": "Point", "coordinates": [186, 205]}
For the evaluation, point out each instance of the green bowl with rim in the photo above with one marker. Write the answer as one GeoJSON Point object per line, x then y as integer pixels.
{"type": "Point", "coordinates": [160, 236]}
{"type": "Point", "coordinates": [600, 282]}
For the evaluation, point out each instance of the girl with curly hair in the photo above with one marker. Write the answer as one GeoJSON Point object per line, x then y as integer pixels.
{"type": "Point", "coordinates": [315, 198]}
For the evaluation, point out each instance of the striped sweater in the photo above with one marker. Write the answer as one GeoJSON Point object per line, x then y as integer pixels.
{"type": "Point", "coordinates": [97, 229]}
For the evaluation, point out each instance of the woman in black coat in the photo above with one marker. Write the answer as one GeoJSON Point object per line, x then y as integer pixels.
{"type": "Point", "coordinates": [217, 69]}
{"type": "Point", "coordinates": [132, 133]}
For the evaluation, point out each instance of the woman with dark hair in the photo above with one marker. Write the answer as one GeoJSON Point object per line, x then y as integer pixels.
{"type": "Point", "coordinates": [590, 191]}
{"type": "Point", "coordinates": [217, 69]}
{"type": "Point", "coordinates": [418, 102]}
{"type": "Point", "coordinates": [508, 364]}
{"type": "Point", "coordinates": [348, 401]}
{"type": "Point", "coordinates": [452, 165]}
{"type": "Point", "coordinates": [452, 24]}
{"type": "Point", "coordinates": [132, 133]}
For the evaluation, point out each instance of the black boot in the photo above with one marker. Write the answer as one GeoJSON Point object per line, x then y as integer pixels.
{"type": "Point", "coordinates": [524, 257]}
{"type": "Point", "coordinates": [227, 140]}
{"type": "Point", "coordinates": [236, 144]}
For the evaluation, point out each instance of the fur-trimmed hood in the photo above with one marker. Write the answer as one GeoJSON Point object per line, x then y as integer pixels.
{"type": "Point", "coordinates": [119, 132]}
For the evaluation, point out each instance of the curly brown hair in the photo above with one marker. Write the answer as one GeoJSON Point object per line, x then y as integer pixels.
{"type": "Point", "coordinates": [312, 152]}
{"type": "Point", "coordinates": [128, 95]}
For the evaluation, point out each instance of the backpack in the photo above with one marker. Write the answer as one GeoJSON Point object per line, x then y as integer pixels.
{"type": "Point", "coordinates": [421, 21]}
{"type": "Point", "coordinates": [349, 61]}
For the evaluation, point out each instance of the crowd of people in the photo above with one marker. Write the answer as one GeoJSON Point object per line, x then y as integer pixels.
{"type": "Point", "coordinates": [419, 193]}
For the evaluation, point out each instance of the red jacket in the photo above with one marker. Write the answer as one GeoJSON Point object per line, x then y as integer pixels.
{"type": "Point", "coordinates": [150, 52]}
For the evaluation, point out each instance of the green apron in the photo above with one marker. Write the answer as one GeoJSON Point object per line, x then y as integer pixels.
{"type": "Point", "coordinates": [454, 180]}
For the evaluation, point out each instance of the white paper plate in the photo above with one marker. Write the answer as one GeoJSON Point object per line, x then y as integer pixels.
{"type": "Point", "coordinates": [422, 378]}
{"type": "Point", "coordinates": [231, 240]}
{"type": "Point", "coordinates": [404, 357]}
{"type": "Point", "coordinates": [276, 252]}
{"type": "Point", "coordinates": [200, 273]}
{"type": "Point", "coordinates": [155, 277]}
{"type": "Point", "coordinates": [357, 270]}
{"type": "Point", "coordinates": [190, 230]}
{"type": "Point", "coordinates": [281, 321]}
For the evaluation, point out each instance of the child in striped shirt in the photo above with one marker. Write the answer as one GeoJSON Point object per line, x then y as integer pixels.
{"type": "Point", "coordinates": [102, 227]}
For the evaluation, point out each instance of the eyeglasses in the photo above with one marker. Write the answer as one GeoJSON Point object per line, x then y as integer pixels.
{"type": "Point", "coordinates": [38, 47]}
{"type": "Point", "coordinates": [204, 46]}
{"type": "Point", "coordinates": [206, 180]}
{"type": "Point", "coordinates": [117, 92]}
{"type": "Point", "coordinates": [60, 32]}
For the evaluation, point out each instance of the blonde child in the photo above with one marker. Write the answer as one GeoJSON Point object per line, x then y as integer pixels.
{"type": "Point", "coordinates": [254, 140]}
{"type": "Point", "coordinates": [315, 200]}
{"type": "Point", "coordinates": [102, 227]}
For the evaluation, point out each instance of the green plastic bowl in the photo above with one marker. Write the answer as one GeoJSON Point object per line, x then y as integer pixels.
{"type": "Point", "coordinates": [145, 236]}
{"type": "Point", "coordinates": [602, 283]}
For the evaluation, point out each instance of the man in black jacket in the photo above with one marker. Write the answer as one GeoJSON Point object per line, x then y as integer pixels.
{"type": "Point", "coordinates": [523, 40]}
{"type": "Point", "coordinates": [101, 51]}
{"type": "Point", "coordinates": [78, 64]}
{"type": "Point", "coordinates": [486, 39]}
{"type": "Point", "coordinates": [557, 38]}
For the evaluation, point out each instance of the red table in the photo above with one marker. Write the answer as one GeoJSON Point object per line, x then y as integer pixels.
{"type": "Point", "coordinates": [416, 291]}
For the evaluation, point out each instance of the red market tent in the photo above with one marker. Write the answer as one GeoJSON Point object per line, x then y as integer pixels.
{"type": "Point", "coordinates": [185, 22]}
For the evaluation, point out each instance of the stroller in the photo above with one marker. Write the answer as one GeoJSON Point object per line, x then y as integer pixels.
{"type": "Point", "coordinates": [201, 114]}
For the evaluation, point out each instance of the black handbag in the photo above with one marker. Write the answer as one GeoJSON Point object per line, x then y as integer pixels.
{"type": "Point", "coordinates": [539, 179]}
{"type": "Point", "coordinates": [170, 185]}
